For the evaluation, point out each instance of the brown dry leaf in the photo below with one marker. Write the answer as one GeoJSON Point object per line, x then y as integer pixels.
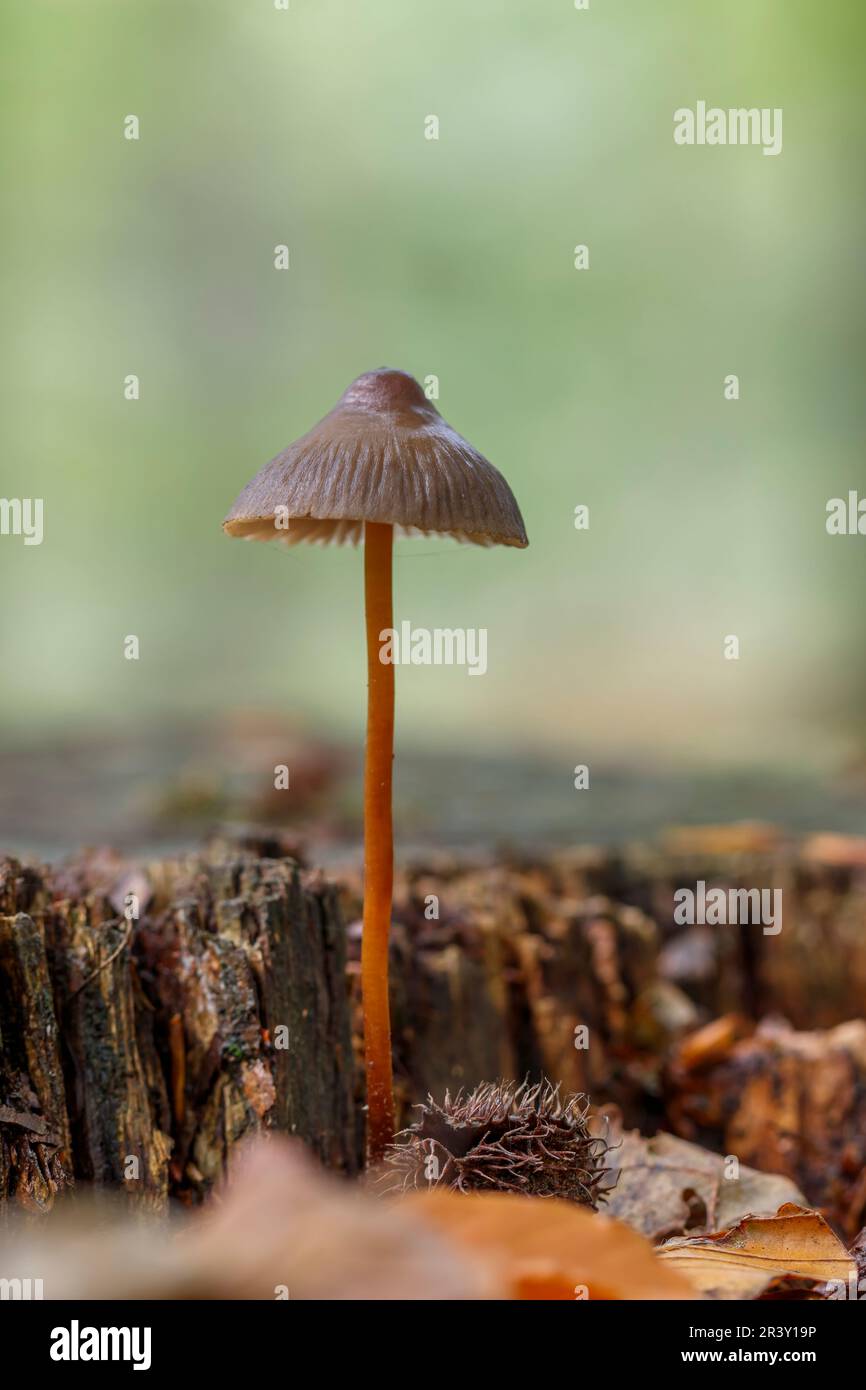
{"type": "Point", "coordinates": [280, 1227]}
{"type": "Point", "coordinates": [549, 1249]}
{"type": "Point", "coordinates": [709, 1044]}
{"type": "Point", "coordinates": [285, 1221]}
{"type": "Point", "coordinates": [668, 1187]}
{"type": "Point", "coordinates": [793, 1251]}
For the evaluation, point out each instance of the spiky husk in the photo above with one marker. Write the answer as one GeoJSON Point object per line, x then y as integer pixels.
{"type": "Point", "coordinates": [503, 1137]}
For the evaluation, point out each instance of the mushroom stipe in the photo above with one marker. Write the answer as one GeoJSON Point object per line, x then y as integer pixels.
{"type": "Point", "coordinates": [378, 841]}
{"type": "Point", "coordinates": [383, 461]}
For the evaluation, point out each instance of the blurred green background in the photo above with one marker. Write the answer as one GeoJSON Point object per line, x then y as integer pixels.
{"type": "Point", "coordinates": [455, 258]}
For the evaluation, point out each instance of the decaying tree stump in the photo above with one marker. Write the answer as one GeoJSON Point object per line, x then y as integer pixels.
{"type": "Point", "coordinates": [813, 972]}
{"type": "Point", "coordinates": [519, 977]}
{"type": "Point", "coordinates": [137, 1050]}
{"type": "Point", "coordinates": [35, 1150]}
{"type": "Point", "coordinates": [783, 1102]}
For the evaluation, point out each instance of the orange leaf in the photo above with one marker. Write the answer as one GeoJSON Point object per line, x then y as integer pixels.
{"type": "Point", "coordinates": [550, 1249]}
{"type": "Point", "coordinates": [793, 1249]}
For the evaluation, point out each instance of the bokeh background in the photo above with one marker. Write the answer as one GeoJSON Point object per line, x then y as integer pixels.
{"type": "Point", "coordinates": [455, 258]}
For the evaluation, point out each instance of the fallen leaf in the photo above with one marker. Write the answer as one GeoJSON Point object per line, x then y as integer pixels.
{"type": "Point", "coordinates": [709, 1044]}
{"type": "Point", "coordinates": [279, 1227]}
{"type": "Point", "coordinates": [793, 1251]}
{"type": "Point", "coordinates": [550, 1249]}
{"type": "Point", "coordinates": [668, 1187]}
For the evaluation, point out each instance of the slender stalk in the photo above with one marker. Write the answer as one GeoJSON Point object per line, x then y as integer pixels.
{"type": "Point", "coordinates": [378, 842]}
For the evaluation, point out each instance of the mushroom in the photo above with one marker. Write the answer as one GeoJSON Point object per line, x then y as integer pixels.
{"type": "Point", "coordinates": [382, 460]}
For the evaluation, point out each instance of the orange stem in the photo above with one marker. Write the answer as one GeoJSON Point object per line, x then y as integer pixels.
{"type": "Point", "coordinates": [378, 842]}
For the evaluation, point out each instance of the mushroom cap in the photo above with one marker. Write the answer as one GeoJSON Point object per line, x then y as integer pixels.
{"type": "Point", "coordinates": [382, 454]}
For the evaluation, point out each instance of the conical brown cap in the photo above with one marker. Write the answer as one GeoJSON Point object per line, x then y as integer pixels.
{"type": "Point", "coordinates": [383, 454]}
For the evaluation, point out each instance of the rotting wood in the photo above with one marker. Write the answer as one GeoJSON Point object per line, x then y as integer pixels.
{"type": "Point", "coordinates": [228, 1010]}
{"type": "Point", "coordinates": [35, 1154]}
{"type": "Point", "coordinates": [137, 1054]}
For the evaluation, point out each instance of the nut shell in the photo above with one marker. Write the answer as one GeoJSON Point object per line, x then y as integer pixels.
{"type": "Point", "coordinates": [506, 1138]}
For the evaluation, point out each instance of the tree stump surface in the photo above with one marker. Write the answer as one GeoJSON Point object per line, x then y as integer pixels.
{"type": "Point", "coordinates": [137, 1051]}
{"type": "Point", "coordinates": [137, 1054]}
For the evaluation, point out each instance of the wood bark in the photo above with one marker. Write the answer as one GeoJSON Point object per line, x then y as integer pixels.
{"type": "Point", "coordinates": [35, 1154]}
{"type": "Point", "coordinates": [136, 1052]}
